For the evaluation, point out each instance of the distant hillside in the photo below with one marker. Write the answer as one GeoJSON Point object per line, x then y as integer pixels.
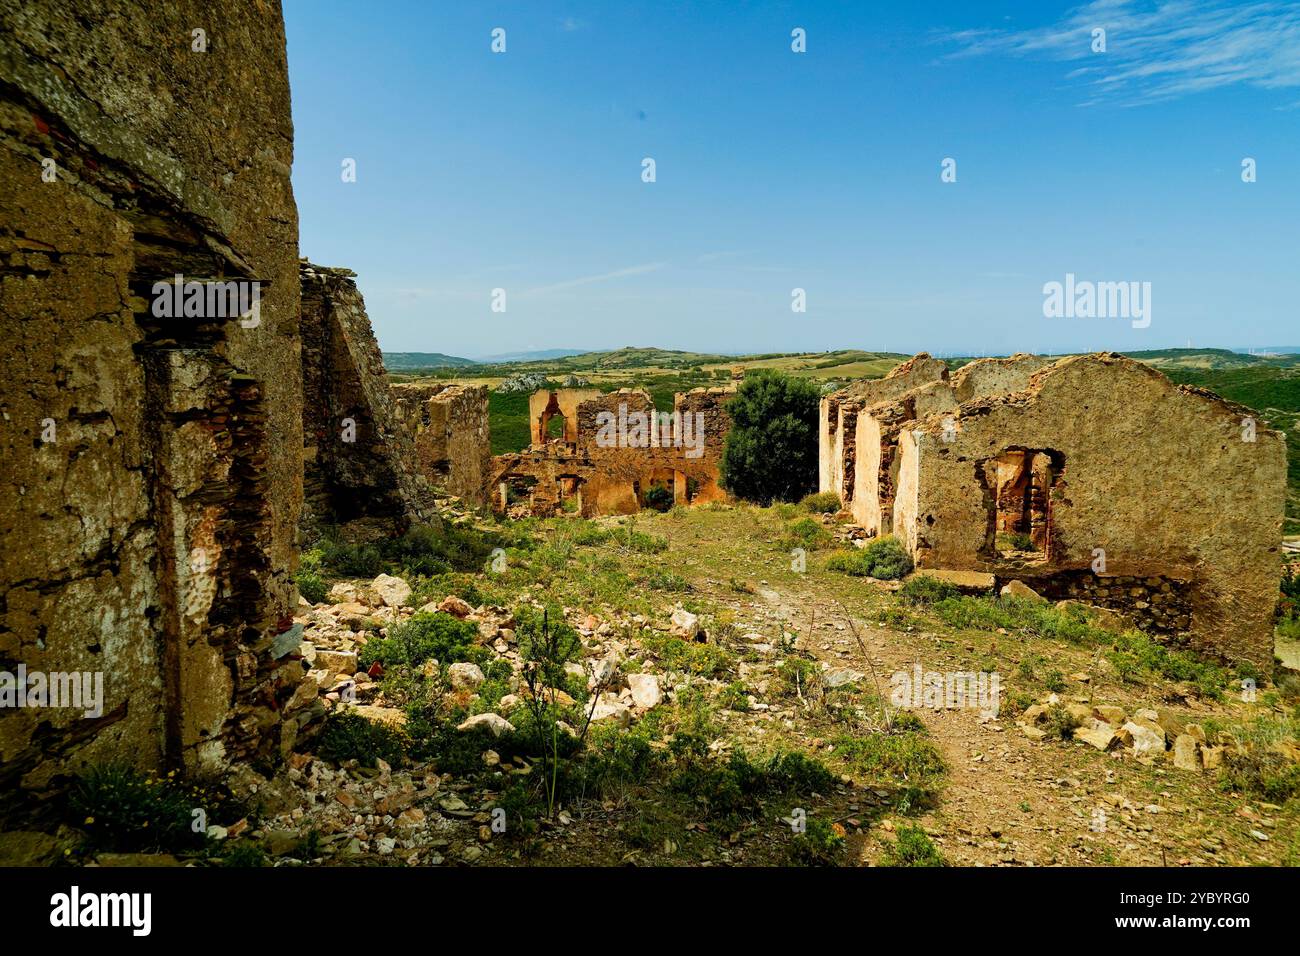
{"type": "Point", "coordinates": [412, 360]}
{"type": "Point", "coordinates": [1209, 359]}
{"type": "Point", "coordinates": [535, 356]}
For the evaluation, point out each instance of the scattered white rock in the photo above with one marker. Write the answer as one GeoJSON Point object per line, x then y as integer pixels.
{"type": "Point", "coordinates": [495, 723]}
{"type": "Point", "coordinates": [465, 676]}
{"type": "Point", "coordinates": [393, 592]}
{"type": "Point", "coordinates": [645, 690]}
{"type": "Point", "coordinates": [1019, 589]}
{"type": "Point", "coordinates": [685, 624]}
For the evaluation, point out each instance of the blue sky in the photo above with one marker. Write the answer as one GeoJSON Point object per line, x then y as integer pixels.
{"type": "Point", "coordinates": [821, 171]}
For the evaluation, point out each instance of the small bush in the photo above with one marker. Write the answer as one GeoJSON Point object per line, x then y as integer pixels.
{"type": "Point", "coordinates": [924, 589]}
{"type": "Point", "coordinates": [658, 497]}
{"type": "Point", "coordinates": [702, 660]}
{"type": "Point", "coordinates": [805, 533]}
{"type": "Point", "coordinates": [795, 676]}
{"type": "Point", "coordinates": [903, 756]}
{"type": "Point", "coordinates": [912, 848]}
{"type": "Point", "coordinates": [1015, 541]}
{"type": "Point", "coordinates": [822, 502]}
{"type": "Point", "coordinates": [885, 558]}
{"type": "Point", "coordinates": [349, 736]}
{"type": "Point", "coordinates": [821, 843]}
{"type": "Point", "coordinates": [735, 788]}
{"type": "Point", "coordinates": [244, 856]}
{"type": "Point", "coordinates": [1264, 773]}
{"type": "Point", "coordinates": [125, 811]}
{"type": "Point", "coordinates": [426, 636]}
{"type": "Point", "coordinates": [350, 559]}
{"type": "Point", "coordinates": [1060, 723]}
{"type": "Point", "coordinates": [311, 586]}
{"type": "Point", "coordinates": [735, 697]}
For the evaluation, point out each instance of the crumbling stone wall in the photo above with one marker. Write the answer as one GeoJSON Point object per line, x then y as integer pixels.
{"type": "Point", "coordinates": [545, 404]}
{"type": "Point", "coordinates": [358, 462]}
{"type": "Point", "coordinates": [838, 419]}
{"type": "Point", "coordinates": [152, 482]}
{"type": "Point", "coordinates": [452, 435]}
{"type": "Point", "coordinates": [1158, 481]}
{"type": "Point", "coordinates": [874, 453]}
{"type": "Point", "coordinates": [607, 476]}
{"type": "Point", "coordinates": [875, 459]}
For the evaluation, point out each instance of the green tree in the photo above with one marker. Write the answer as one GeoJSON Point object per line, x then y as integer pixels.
{"type": "Point", "coordinates": [771, 451]}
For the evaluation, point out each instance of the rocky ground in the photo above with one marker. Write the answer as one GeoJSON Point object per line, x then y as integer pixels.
{"type": "Point", "coordinates": [697, 625]}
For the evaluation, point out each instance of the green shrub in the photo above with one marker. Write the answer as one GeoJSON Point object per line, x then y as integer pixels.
{"type": "Point", "coordinates": [795, 676]}
{"type": "Point", "coordinates": [434, 635]}
{"type": "Point", "coordinates": [1054, 680]}
{"type": "Point", "coordinates": [349, 736]}
{"type": "Point", "coordinates": [770, 453]}
{"type": "Point", "coordinates": [1135, 651]}
{"type": "Point", "coordinates": [903, 757]}
{"type": "Point", "coordinates": [734, 788]}
{"type": "Point", "coordinates": [244, 855]}
{"type": "Point", "coordinates": [924, 589]}
{"type": "Point", "coordinates": [822, 502]}
{"type": "Point", "coordinates": [1015, 541]}
{"type": "Point", "coordinates": [350, 559]}
{"type": "Point", "coordinates": [702, 660]}
{"type": "Point", "coordinates": [805, 533]}
{"type": "Point", "coordinates": [658, 497]}
{"type": "Point", "coordinates": [912, 848]}
{"type": "Point", "coordinates": [1060, 722]}
{"type": "Point", "coordinates": [311, 585]}
{"type": "Point", "coordinates": [821, 844]}
{"type": "Point", "coordinates": [735, 697]}
{"type": "Point", "coordinates": [122, 810]}
{"type": "Point", "coordinates": [1263, 773]}
{"type": "Point", "coordinates": [888, 558]}
{"type": "Point", "coordinates": [884, 558]}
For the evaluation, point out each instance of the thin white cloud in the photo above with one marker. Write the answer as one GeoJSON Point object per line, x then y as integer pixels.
{"type": "Point", "coordinates": [1159, 51]}
{"type": "Point", "coordinates": [587, 280]}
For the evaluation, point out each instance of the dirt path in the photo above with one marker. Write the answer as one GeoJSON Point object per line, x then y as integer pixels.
{"type": "Point", "coordinates": [1007, 800]}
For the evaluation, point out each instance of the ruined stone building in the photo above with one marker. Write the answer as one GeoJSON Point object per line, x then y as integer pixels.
{"type": "Point", "coordinates": [612, 449]}
{"type": "Point", "coordinates": [838, 415]}
{"type": "Point", "coordinates": [152, 465]}
{"type": "Point", "coordinates": [869, 457]}
{"type": "Point", "coordinates": [449, 422]}
{"type": "Point", "coordinates": [1092, 477]}
{"type": "Point", "coordinates": [360, 461]}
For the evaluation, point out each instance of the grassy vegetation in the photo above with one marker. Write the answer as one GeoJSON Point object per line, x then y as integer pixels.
{"type": "Point", "coordinates": [912, 848]}
{"type": "Point", "coordinates": [885, 559]}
